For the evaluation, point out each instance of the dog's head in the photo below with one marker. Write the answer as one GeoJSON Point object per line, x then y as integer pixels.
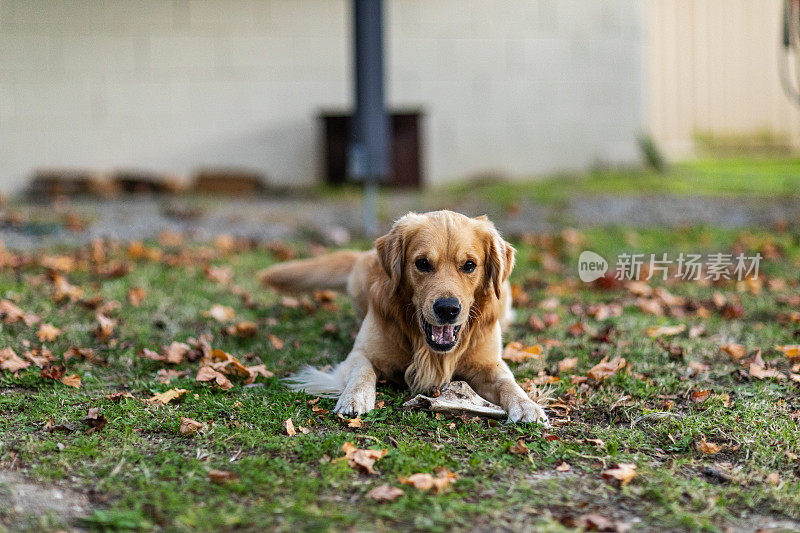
{"type": "Point", "coordinates": [447, 266]}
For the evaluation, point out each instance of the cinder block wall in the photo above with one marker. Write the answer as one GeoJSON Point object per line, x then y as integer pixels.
{"type": "Point", "coordinates": [518, 87]}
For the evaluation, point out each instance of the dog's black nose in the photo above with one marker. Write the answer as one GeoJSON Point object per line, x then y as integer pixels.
{"type": "Point", "coordinates": [447, 309]}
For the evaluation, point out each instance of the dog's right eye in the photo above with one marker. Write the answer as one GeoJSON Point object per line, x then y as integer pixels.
{"type": "Point", "coordinates": [423, 265]}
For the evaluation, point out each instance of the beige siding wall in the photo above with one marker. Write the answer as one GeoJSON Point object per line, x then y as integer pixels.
{"type": "Point", "coordinates": [713, 66]}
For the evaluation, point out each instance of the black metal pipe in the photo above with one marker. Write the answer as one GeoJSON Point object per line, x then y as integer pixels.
{"type": "Point", "coordinates": [369, 148]}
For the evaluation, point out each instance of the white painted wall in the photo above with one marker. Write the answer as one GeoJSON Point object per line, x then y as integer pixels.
{"type": "Point", "coordinates": [519, 86]}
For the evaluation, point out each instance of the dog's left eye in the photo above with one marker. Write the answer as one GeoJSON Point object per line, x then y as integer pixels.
{"type": "Point", "coordinates": [468, 267]}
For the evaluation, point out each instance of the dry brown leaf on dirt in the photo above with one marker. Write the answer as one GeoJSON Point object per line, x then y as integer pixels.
{"type": "Point", "coordinates": [665, 331]}
{"type": "Point", "coordinates": [75, 351]}
{"type": "Point", "coordinates": [605, 369]}
{"type": "Point", "coordinates": [72, 380]}
{"type": "Point", "coordinates": [136, 295]}
{"type": "Point", "coordinates": [385, 493]}
{"type": "Point", "coordinates": [207, 374]}
{"type": "Point", "coordinates": [707, 447]}
{"type": "Point", "coordinates": [518, 352]}
{"type": "Point", "coordinates": [40, 357]}
{"type": "Point", "coordinates": [95, 420]}
{"type": "Point", "coordinates": [361, 459]}
{"type": "Point", "coordinates": [277, 343]}
{"type": "Point", "coordinates": [222, 476]}
{"type": "Point", "coordinates": [176, 352]}
{"type": "Point", "coordinates": [48, 332]}
{"type": "Point", "coordinates": [567, 364]}
{"type": "Point", "coordinates": [189, 426]}
{"type": "Point", "coordinates": [735, 351]}
{"type": "Point", "coordinates": [289, 426]}
{"type": "Point", "coordinates": [9, 360]}
{"type": "Point", "coordinates": [220, 313]}
{"type": "Point", "coordinates": [167, 396]}
{"type": "Point", "coordinates": [222, 275]}
{"type": "Point", "coordinates": [425, 482]}
{"type": "Point", "coordinates": [245, 329]}
{"type": "Point", "coordinates": [792, 351]}
{"type": "Point", "coordinates": [104, 328]}
{"type": "Point", "coordinates": [759, 371]}
{"type": "Point", "coordinates": [700, 396]}
{"type": "Point", "coordinates": [623, 473]}
{"type": "Point", "coordinates": [519, 448]}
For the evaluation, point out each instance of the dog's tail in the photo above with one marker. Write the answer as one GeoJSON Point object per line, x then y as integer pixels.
{"type": "Point", "coordinates": [313, 381]}
{"type": "Point", "coordinates": [328, 272]}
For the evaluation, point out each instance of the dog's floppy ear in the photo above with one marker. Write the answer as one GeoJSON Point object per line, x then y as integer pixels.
{"type": "Point", "coordinates": [499, 260]}
{"type": "Point", "coordinates": [390, 249]}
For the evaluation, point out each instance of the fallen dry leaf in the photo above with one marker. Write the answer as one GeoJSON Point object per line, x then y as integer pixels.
{"type": "Point", "coordinates": [220, 313]}
{"type": "Point", "coordinates": [9, 360]}
{"type": "Point", "coordinates": [276, 342]}
{"type": "Point", "coordinates": [519, 448]}
{"type": "Point", "coordinates": [385, 493]}
{"type": "Point", "coordinates": [665, 331]}
{"type": "Point", "coordinates": [425, 482]}
{"type": "Point", "coordinates": [605, 369]}
{"type": "Point", "coordinates": [208, 374]}
{"type": "Point", "coordinates": [708, 448]}
{"type": "Point", "coordinates": [760, 372]}
{"type": "Point", "coordinates": [189, 426]}
{"type": "Point", "coordinates": [104, 328]}
{"type": "Point", "coordinates": [624, 473]}
{"type": "Point", "coordinates": [167, 396]}
{"type": "Point", "coordinates": [735, 351]}
{"type": "Point", "coordinates": [700, 396]}
{"type": "Point", "coordinates": [175, 352]}
{"type": "Point", "coordinates": [222, 476]}
{"type": "Point", "coordinates": [289, 425]}
{"type": "Point", "coordinates": [244, 329]}
{"type": "Point", "coordinates": [792, 351]}
{"type": "Point", "coordinates": [94, 420]}
{"type": "Point", "coordinates": [518, 352]}
{"type": "Point", "coordinates": [48, 332]}
{"type": "Point", "coordinates": [355, 422]}
{"type": "Point", "coordinates": [563, 467]}
{"type": "Point", "coordinates": [362, 459]}
{"type": "Point", "coordinates": [136, 295]}
{"type": "Point", "coordinates": [72, 380]}
{"type": "Point", "coordinates": [52, 372]}
{"type": "Point", "coordinates": [567, 364]}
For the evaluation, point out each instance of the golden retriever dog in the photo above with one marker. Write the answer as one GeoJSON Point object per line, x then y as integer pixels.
{"type": "Point", "coordinates": [433, 295]}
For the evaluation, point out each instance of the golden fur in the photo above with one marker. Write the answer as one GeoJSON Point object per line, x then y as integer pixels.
{"type": "Point", "coordinates": [395, 298]}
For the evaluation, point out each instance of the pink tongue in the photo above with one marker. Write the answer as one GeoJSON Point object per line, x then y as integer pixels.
{"type": "Point", "coordinates": [442, 334]}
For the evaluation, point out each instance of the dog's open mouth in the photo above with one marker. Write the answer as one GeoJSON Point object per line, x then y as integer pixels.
{"type": "Point", "coordinates": [440, 338]}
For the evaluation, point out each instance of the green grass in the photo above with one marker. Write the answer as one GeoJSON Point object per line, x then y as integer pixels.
{"type": "Point", "coordinates": [141, 473]}
{"type": "Point", "coordinates": [726, 178]}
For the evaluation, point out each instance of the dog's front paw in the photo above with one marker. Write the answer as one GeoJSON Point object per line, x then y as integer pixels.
{"type": "Point", "coordinates": [526, 410]}
{"type": "Point", "coordinates": [355, 403]}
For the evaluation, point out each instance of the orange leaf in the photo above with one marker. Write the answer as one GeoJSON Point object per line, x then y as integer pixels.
{"type": "Point", "coordinates": [208, 374]}
{"type": "Point", "coordinates": [708, 448]}
{"type": "Point", "coordinates": [792, 351]}
{"type": "Point", "coordinates": [385, 493]}
{"type": "Point", "coordinates": [220, 313]}
{"type": "Point", "coordinates": [167, 396]}
{"type": "Point", "coordinates": [9, 360]}
{"type": "Point", "coordinates": [624, 473]}
{"type": "Point", "coordinates": [289, 425]}
{"type": "Point", "coordinates": [736, 351]}
{"type": "Point", "coordinates": [360, 458]}
{"type": "Point", "coordinates": [425, 482]}
{"type": "Point", "coordinates": [517, 352]}
{"type": "Point", "coordinates": [700, 395]}
{"type": "Point", "coordinates": [605, 369]}
{"type": "Point", "coordinates": [73, 380]}
{"type": "Point", "coordinates": [48, 332]}
{"type": "Point", "coordinates": [189, 426]}
{"type": "Point", "coordinates": [222, 476]}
